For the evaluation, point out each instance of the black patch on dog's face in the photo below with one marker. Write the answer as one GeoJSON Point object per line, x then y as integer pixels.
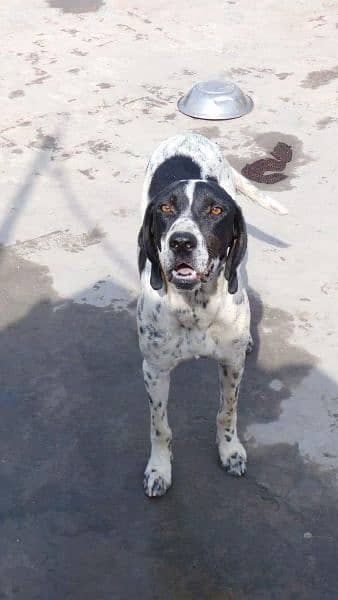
{"type": "Point", "coordinates": [156, 224]}
{"type": "Point", "coordinates": [175, 196]}
{"type": "Point", "coordinates": [224, 234]}
{"type": "Point", "coordinates": [176, 168]}
{"type": "Point", "coordinates": [217, 231]}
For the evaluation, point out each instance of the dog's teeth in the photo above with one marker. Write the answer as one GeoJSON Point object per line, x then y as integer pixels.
{"type": "Point", "coordinates": [185, 271]}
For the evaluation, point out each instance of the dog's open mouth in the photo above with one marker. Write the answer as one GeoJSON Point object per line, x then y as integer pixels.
{"type": "Point", "coordinates": [184, 276]}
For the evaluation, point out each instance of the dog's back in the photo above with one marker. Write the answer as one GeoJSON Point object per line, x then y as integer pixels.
{"type": "Point", "coordinates": [186, 156]}
{"type": "Point", "coordinates": [195, 157]}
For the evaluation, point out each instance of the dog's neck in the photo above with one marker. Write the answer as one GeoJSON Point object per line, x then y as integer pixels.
{"type": "Point", "coordinates": [199, 306]}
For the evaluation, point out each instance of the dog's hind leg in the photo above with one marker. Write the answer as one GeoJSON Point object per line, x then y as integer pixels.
{"type": "Point", "coordinates": [157, 476]}
{"type": "Point", "coordinates": [232, 453]}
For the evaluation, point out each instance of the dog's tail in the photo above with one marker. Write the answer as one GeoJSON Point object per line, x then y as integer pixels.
{"type": "Point", "coordinates": [254, 194]}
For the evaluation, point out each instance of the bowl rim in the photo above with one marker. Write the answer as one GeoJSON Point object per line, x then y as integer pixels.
{"type": "Point", "coordinates": [200, 115]}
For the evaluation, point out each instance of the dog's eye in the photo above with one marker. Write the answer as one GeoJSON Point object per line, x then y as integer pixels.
{"type": "Point", "coordinates": [166, 208]}
{"type": "Point", "coordinates": [216, 211]}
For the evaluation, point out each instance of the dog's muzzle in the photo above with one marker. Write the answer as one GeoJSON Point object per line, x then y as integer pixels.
{"type": "Point", "coordinates": [183, 275]}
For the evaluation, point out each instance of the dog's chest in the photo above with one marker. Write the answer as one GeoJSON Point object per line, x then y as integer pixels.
{"type": "Point", "coordinates": [196, 333]}
{"type": "Point", "coordinates": [194, 318]}
{"type": "Point", "coordinates": [193, 343]}
{"type": "Point", "coordinates": [172, 331]}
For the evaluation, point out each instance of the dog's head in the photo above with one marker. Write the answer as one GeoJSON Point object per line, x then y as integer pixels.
{"type": "Point", "coordinates": [191, 229]}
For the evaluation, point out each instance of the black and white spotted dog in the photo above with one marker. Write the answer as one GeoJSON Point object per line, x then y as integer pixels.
{"type": "Point", "coordinates": [192, 302]}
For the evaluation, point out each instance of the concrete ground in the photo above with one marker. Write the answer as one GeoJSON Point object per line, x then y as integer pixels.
{"type": "Point", "coordinates": [88, 88]}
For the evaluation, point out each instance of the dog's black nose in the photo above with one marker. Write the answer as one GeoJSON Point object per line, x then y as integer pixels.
{"type": "Point", "coordinates": [182, 240]}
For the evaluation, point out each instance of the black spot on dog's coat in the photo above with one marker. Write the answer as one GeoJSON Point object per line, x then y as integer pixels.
{"type": "Point", "coordinates": [173, 169]}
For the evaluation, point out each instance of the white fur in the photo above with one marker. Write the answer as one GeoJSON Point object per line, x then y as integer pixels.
{"type": "Point", "coordinates": [175, 326]}
{"type": "Point", "coordinates": [186, 223]}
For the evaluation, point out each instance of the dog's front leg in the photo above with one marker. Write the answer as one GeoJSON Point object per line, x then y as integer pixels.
{"type": "Point", "coordinates": [157, 476]}
{"type": "Point", "coordinates": [232, 453]}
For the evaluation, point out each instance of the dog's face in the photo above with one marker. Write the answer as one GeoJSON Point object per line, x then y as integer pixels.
{"type": "Point", "coordinates": [190, 229]}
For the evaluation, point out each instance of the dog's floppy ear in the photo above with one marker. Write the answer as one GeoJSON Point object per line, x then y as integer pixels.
{"type": "Point", "coordinates": [236, 252]}
{"type": "Point", "coordinates": [148, 248]}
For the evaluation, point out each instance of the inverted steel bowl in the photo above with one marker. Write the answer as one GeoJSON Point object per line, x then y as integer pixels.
{"type": "Point", "coordinates": [215, 100]}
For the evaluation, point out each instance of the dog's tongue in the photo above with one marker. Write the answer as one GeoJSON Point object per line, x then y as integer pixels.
{"type": "Point", "coordinates": [184, 270]}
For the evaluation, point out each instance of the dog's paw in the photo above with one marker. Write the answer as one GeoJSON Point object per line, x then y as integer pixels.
{"type": "Point", "coordinates": [155, 484]}
{"type": "Point", "coordinates": [233, 458]}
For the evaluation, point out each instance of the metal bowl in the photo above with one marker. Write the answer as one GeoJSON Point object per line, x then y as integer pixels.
{"type": "Point", "coordinates": [215, 100]}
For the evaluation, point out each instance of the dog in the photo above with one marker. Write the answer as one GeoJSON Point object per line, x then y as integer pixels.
{"type": "Point", "coordinates": [192, 301]}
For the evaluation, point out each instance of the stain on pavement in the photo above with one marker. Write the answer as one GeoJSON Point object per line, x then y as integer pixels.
{"type": "Point", "coordinates": [316, 79]}
{"type": "Point", "coordinates": [59, 239]}
{"type": "Point", "coordinates": [76, 6]}
{"type": "Point", "coordinates": [324, 122]}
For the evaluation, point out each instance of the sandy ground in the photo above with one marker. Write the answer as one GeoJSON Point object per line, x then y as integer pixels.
{"type": "Point", "coordinates": [88, 88]}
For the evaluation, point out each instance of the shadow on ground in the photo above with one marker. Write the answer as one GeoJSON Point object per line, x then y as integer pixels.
{"type": "Point", "coordinates": [75, 523]}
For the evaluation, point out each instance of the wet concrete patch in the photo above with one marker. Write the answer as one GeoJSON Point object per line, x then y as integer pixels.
{"type": "Point", "coordinates": [170, 116]}
{"type": "Point", "coordinates": [77, 6]}
{"type": "Point", "coordinates": [122, 212]}
{"type": "Point", "coordinates": [324, 122]}
{"type": "Point", "coordinates": [89, 173]}
{"type": "Point", "coordinates": [283, 76]}
{"type": "Point", "coordinates": [59, 239]}
{"type": "Point", "coordinates": [45, 141]}
{"type": "Point", "coordinates": [274, 358]}
{"type": "Point", "coordinates": [95, 147]}
{"type": "Point", "coordinates": [41, 77]}
{"type": "Point", "coordinates": [74, 440]}
{"type": "Point", "coordinates": [16, 94]}
{"type": "Point", "coordinates": [78, 52]}
{"type": "Point", "coordinates": [70, 30]}
{"type": "Point", "coordinates": [209, 132]}
{"type": "Point", "coordinates": [98, 147]}
{"type": "Point", "coordinates": [104, 85]}
{"type": "Point", "coordinates": [32, 57]}
{"type": "Point", "coordinates": [6, 142]}
{"type": "Point", "coordinates": [316, 79]}
{"type": "Point", "coordinates": [258, 73]}
{"type": "Point", "coordinates": [155, 96]}
{"type": "Point", "coordinates": [19, 294]}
